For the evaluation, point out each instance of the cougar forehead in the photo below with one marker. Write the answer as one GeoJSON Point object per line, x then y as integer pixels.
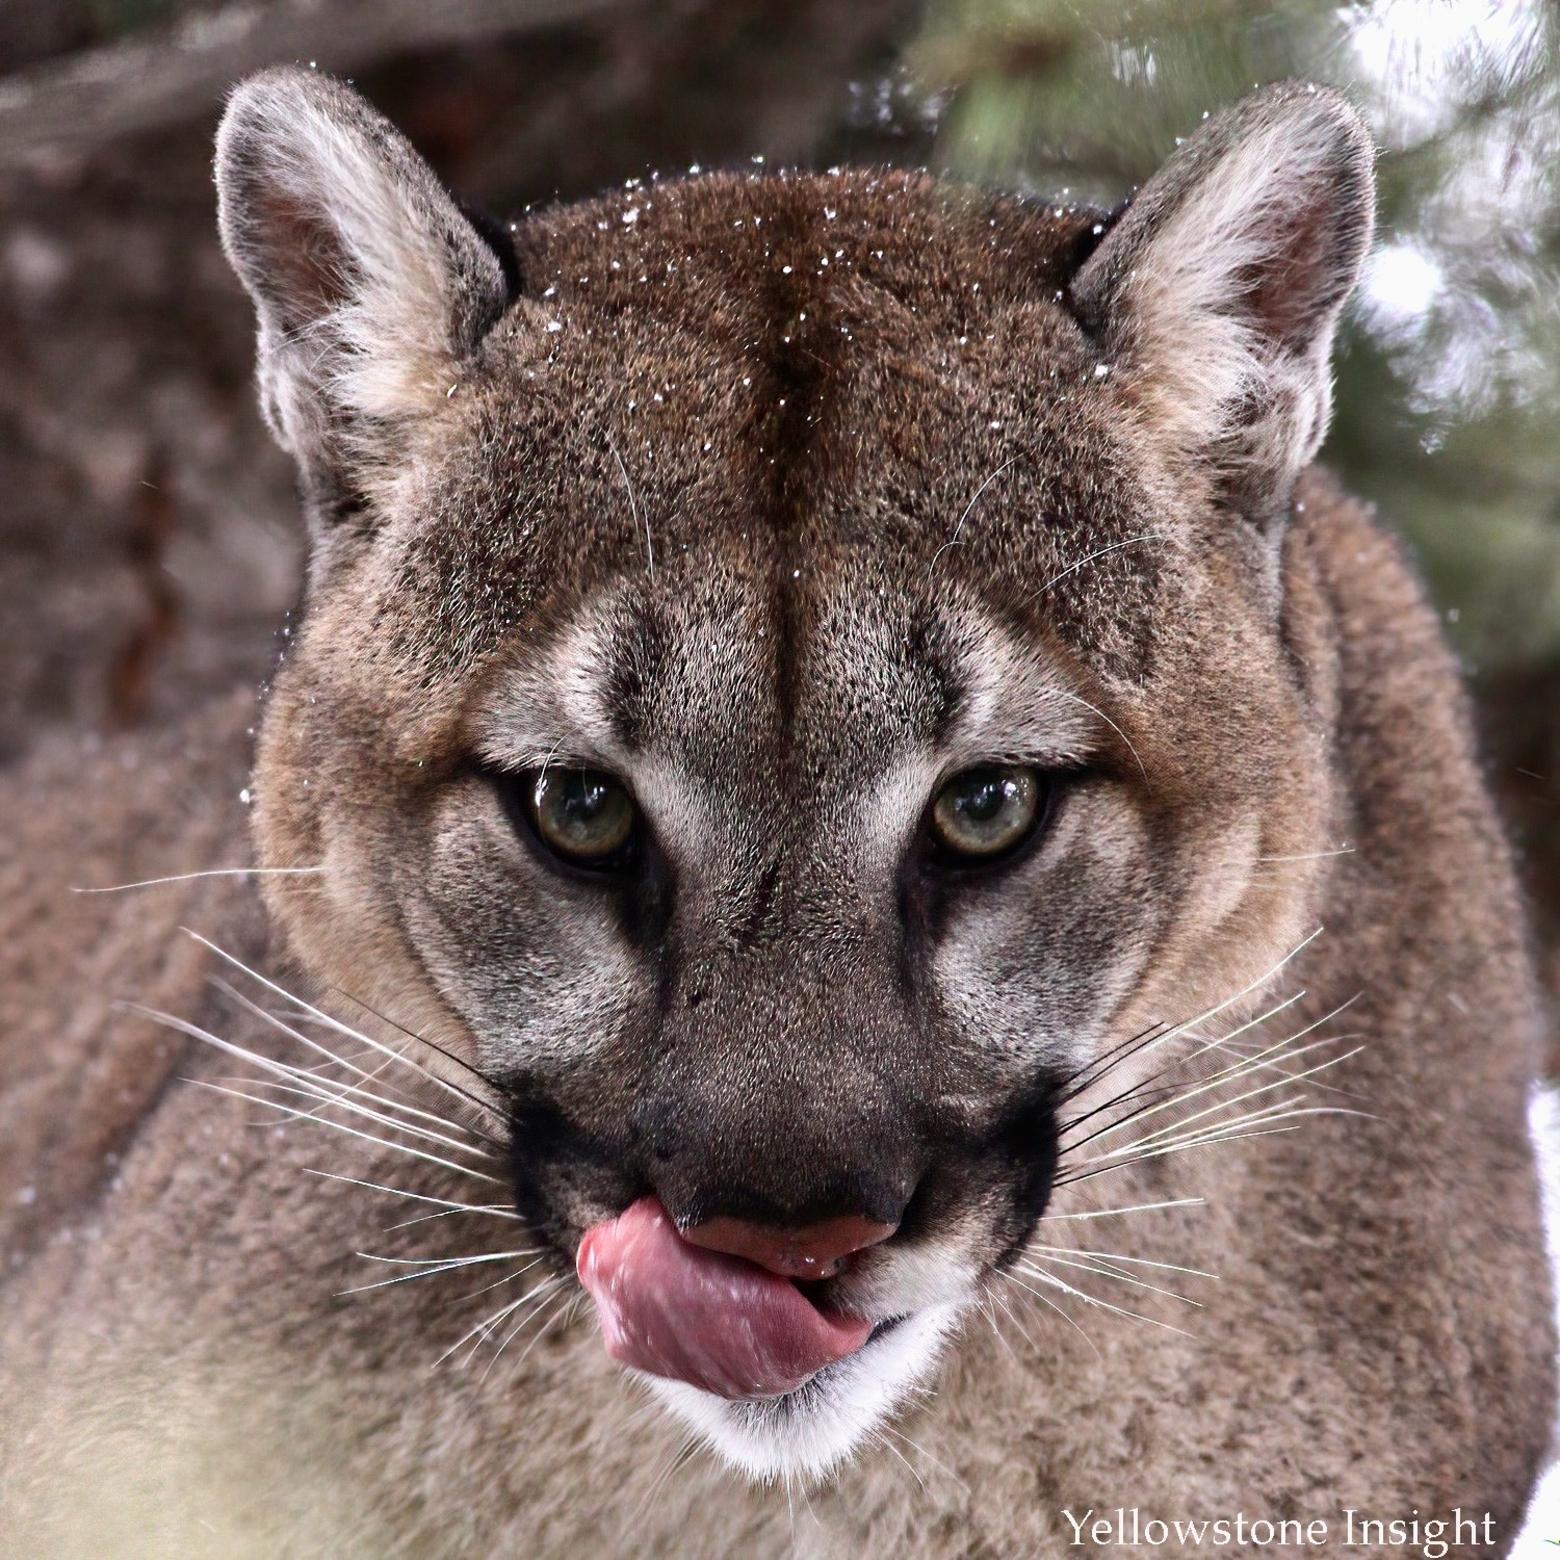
{"type": "Point", "coordinates": [782, 380]}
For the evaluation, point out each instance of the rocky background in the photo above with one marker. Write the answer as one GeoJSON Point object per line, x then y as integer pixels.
{"type": "Point", "coordinates": [148, 544]}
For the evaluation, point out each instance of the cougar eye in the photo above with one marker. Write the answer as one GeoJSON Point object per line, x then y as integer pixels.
{"type": "Point", "coordinates": [985, 813]}
{"type": "Point", "coordinates": [584, 815]}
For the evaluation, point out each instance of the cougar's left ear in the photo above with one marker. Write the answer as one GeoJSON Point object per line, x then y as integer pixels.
{"type": "Point", "coordinates": [370, 285]}
{"type": "Point", "coordinates": [1218, 289]}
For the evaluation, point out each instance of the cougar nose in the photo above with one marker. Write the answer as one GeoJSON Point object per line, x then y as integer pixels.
{"type": "Point", "coordinates": [812, 1251]}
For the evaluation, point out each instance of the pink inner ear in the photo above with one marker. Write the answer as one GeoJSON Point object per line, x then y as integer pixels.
{"type": "Point", "coordinates": [1298, 280]}
{"type": "Point", "coordinates": [303, 254]}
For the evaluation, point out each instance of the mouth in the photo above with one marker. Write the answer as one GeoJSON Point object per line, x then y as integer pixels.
{"type": "Point", "coordinates": [710, 1320]}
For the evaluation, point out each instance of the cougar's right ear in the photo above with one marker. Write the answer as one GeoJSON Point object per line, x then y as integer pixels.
{"type": "Point", "coordinates": [370, 285]}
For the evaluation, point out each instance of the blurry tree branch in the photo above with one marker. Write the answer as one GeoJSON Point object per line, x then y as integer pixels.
{"type": "Point", "coordinates": [159, 77]}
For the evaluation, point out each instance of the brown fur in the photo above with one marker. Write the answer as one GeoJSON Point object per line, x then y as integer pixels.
{"type": "Point", "coordinates": [1380, 1334]}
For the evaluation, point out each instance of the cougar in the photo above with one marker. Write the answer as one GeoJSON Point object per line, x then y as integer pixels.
{"type": "Point", "coordinates": [880, 929]}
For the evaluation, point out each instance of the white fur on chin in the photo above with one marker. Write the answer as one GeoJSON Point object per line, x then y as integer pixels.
{"type": "Point", "coordinates": [813, 1430]}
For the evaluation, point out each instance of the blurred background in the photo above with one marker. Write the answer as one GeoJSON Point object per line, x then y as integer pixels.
{"type": "Point", "coordinates": [149, 549]}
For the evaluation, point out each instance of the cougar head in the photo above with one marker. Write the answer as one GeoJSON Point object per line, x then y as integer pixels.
{"type": "Point", "coordinates": [793, 669]}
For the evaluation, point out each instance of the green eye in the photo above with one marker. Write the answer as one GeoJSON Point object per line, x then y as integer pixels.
{"type": "Point", "coordinates": [583, 814]}
{"type": "Point", "coordinates": [985, 813]}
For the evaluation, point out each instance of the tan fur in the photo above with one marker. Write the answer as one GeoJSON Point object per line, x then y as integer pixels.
{"type": "Point", "coordinates": [178, 1371]}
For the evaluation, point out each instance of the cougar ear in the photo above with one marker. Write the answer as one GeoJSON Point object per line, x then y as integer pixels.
{"type": "Point", "coordinates": [1218, 289]}
{"type": "Point", "coordinates": [369, 284]}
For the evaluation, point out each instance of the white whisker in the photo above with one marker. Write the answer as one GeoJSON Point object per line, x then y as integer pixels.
{"type": "Point", "coordinates": [1311, 855]}
{"type": "Point", "coordinates": [485, 1326]}
{"type": "Point", "coordinates": [549, 1290]}
{"type": "Point", "coordinates": [1177, 1128]}
{"type": "Point", "coordinates": [953, 537]}
{"type": "Point", "coordinates": [1111, 1213]}
{"type": "Point", "coordinates": [1073, 698]}
{"type": "Point", "coordinates": [1100, 1270]}
{"type": "Point", "coordinates": [1177, 1148]}
{"type": "Point", "coordinates": [633, 509]}
{"type": "Point", "coordinates": [340, 1028]}
{"type": "Point", "coordinates": [877, 1438]}
{"type": "Point", "coordinates": [1232, 1073]}
{"type": "Point", "coordinates": [395, 1191]}
{"type": "Point", "coordinates": [1099, 552]}
{"type": "Point", "coordinates": [209, 872]}
{"type": "Point", "coordinates": [454, 1265]}
{"type": "Point", "coordinates": [341, 1126]}
{"type": "Point", "coordinates": [1114, 1256]}
{"type": "Point", "coordinates": [325, 1102]}
{"type": "Point", "coordinates": [1105, 1305]}
{"type": "Point", "coordinates": [494, 1210]}
{"type": "Point", "coordinates": [1051, 1305]}
{"type": "Point", "coordinates": [1145, 1088]}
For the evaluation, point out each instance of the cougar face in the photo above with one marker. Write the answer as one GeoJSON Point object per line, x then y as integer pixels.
{"type": "Point", "coordinates": [774, 656]}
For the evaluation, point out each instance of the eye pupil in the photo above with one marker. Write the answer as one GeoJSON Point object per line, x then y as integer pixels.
{"type": "Point", "coordinates": [983, 800]}
{"type": "Point", "coordinates": [986, 813]}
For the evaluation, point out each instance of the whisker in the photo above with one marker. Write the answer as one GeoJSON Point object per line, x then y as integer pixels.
{"type": "Point", "coordinates": [325, 1102]}
{"type": "Point", "coordinates": [1311, 855]}
{"type": "Point", "coordinates": [1105, 1305]}
{"type": "Point", "coordinates": [484, 1327]}
{"type": "Point", "coordinates": [287, 996]}
{"type": "Point", "coordinates": [1163, 1035]}
{"type": "Point", "coordinates": [1169, 1067]}
{"type": "Point", "coordinates": [395, 1191]}
{"type": "Point", "coordinates": [433, 1045]}
{"type": "Point", "coordinates": [1075, 1083]}
{"type": "Point", "coordinates": [1114, 1256]}
{"type": "Point", "coordinates": [988, 1309]}
{"type": "Point", "coordinates": [633, 509]}
{"type": "Point", "coordinates": [1051, 1305]}
{"type": "Point", "coordinates": [1178, 1127]}
{"type": "Point", "coordinates": [341, 1126]}
{"type": "Point", "coordinates": [1073, 698]}
{"type": "Point", "coordinates": [508, 1278]}
{"type": "Point", "coordinates": [1072, 568]}
{"type": "Point", "coordinates": [1246, 990]}
{"type": "Point", "coordinates": [1232, 1073]}
{"type": "Point", "coordinates": [679, 1458]}
{"type": "Point", "coordinates": [1217, 1132]}
{"type": "Point", "coordinates": [454, 1265]}
{"type": "Point", "coordinates": [332, 1058]}
{"type": "Point", "coordinates": [1100, 1270]}
{"type": "Point", "coordinates": [209, 872]}
{"type": "Point", "coordinates": [336, 1061]}
{"type": "Point", "coordinates": [495, 1210]}
{"type": "Point", "coordinates": [953, 538]}
{"type": "Point", "coordinates": [1160, 1153]}
{"type": "Point", "coordinates": [548, 1289]}
{"type": "Point", "coordinates": [1111, 1213]}
{"type": "Point", "coordinates": [879, 1439]}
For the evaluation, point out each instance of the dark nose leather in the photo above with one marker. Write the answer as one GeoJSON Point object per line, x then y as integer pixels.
{"type": "Point", "coordinates": [812, 1251]}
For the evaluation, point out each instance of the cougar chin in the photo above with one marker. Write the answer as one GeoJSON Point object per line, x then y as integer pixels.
{"type": "Point", "coordinates": [807, 1433]}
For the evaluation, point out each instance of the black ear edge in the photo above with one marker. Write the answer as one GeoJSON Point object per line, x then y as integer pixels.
{"type": "Point", "coordinates": [496, 235]}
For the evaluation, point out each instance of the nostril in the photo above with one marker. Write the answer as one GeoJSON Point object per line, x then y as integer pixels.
{"type": "Point", "coordinates": [816, 1250]}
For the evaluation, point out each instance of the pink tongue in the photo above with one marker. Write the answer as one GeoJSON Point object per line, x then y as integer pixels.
{"type": "Point", "coordinates": [716, 1322]}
